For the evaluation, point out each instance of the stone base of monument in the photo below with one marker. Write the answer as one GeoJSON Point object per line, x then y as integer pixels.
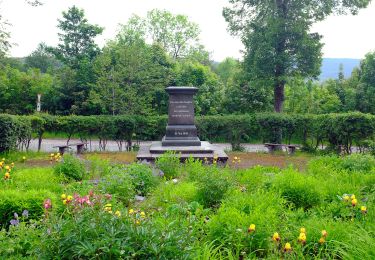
{"type": "Point", "coordinates": [205, 152]}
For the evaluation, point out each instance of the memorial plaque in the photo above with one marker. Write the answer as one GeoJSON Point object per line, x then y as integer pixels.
{"type": "Point", "coordinates": [181, 130]}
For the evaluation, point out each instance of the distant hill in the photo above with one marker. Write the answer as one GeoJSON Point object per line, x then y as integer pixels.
{"type": "Point", "coordinates": [330, 67]}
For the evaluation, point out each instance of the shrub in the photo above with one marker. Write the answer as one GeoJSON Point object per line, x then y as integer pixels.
{"type": "Point", "coordinates": [229, 227]}
{"type": "Point", "coordinates": [142, 178]}
{"type": "Point", "coordinates": [358, 162]}
{"type": "Point", "coordinates": [71, 167]}
{"type": "Point", "coordinates": [14, 201]}
{"type": "Point", "coordinates": [169, 164]}
{"type": "Point", "coordinates": [8, 133]}
{"type": "Point", "coordinates": [119, 184]}
{"type": "Point", "coordinates": [212, 187]}
{"type": "Point", "coordinates": [92, 233]}
{"type": "Point", "coordinates": [300, 190]}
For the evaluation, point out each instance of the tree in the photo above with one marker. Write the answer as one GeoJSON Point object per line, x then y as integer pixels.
{"type": "Point", "coordinates": [277, 38]}
{"type": "Point", "coordinates": [366, 85]}
{"type": "Point", "coordinates": [42, 59]}
{"type": "Point", "coordinates": [76, 38]}
{"type": "Point", "coordinates": [175, 33]}
{"type": "Point", "coordinates": [77, 50]}
{"type": "Point", "coordinates": [131, 78]}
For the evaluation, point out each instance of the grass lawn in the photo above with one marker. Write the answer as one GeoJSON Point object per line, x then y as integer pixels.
{"type": "Point", "coordinates": [321, 207]}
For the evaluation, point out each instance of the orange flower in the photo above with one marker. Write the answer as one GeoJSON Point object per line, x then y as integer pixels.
{"type": "Point", "coordinates": [324, 233]}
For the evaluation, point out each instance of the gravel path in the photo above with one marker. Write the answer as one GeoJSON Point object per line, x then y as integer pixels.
{"type": "Point", "coordinates": [48, 145]}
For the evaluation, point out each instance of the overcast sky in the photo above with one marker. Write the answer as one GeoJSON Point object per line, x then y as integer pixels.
{"type": "Point", "coordinates": [344, 36]}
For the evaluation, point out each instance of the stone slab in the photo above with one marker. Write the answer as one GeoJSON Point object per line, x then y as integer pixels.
{"type": "Point", "coordinates": [145, 154]}
{"type": "Point", "coordinates": [204, 148]}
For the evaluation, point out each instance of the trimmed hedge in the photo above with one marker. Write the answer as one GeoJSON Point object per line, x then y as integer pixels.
{"type": "Point", "coordinates": [339, 131]}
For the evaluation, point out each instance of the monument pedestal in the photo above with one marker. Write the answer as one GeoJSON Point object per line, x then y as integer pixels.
{"type": "Point", "coordinates": [181, 133]}
{"type": "Point", "coordinates": [205, 152]}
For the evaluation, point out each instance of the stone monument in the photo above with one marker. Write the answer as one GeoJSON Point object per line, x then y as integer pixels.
{"type": "Point", "coordinates": [181, 129]}
{"type": "Point", "coordinates": [181, 133]}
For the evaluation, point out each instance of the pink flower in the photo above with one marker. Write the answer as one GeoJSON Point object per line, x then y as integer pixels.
{"type": "Point", "coordinates": [47, 204]}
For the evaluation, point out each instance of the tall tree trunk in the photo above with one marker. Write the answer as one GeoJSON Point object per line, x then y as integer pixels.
{"type": "Point", "coordinates": [279, 97]}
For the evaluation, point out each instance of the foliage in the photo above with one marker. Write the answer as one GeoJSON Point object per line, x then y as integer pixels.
{"type": "Point", "coordinates": [300, 191]}
{"type": "Point", "coordinates": [13, 201]}
{"type": "Point", "coordinates": [169, 163]}
{"type": "Point", "coordinates": [142, 178]}
{"type": "Point", "coordinates": [119, 184]}
{"type": "Point", "coordinates": [71, 167]}
{"type": "Point", "coordinates": [8, 134]}
{"type": "Point", "coordinates": [212, 187]}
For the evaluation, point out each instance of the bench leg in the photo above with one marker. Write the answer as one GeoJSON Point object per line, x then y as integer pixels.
{"type": "Point", "coordinates": [291, 150]}
{"type": "Point", "coordinates": [62, 150]}
{"type": "Point", "coordinates": [80, 149]}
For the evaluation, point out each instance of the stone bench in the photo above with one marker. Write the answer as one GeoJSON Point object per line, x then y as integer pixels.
{"type": "Point", "coordinates": [291, 148]}
{"type": "Point", "coordinates": [63, 148]}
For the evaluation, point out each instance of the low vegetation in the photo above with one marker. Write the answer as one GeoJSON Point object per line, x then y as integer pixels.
{"type": "Point", "coordinates": [201, 212]}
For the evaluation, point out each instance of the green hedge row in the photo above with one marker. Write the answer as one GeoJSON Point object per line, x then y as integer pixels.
{"type": "Point", "coordinates": [336, 130]}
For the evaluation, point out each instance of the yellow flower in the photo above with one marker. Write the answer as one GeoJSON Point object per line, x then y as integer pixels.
{"type": "Point", "coordinates": [324, 233]}
{"type": "Point", "coordinates": [363, 209]}
{"type": "Point", "coordinates": [24, 158]}
{"type": "Point", "coordinates": [69, 198]}
{"type": "Point", "coordinates": [110, 211]}
{"type": "Point", "coordinates": [63, 196]}
{"type": "Point", "coordinates": [354, 202]}
{"type": "Point", "coordinates": [58, 154]}
{"type": "Point", "coordinates": [7, 167]}
{"type": "Point", "coordinates": [352, 197]}
{"type": "Point", "coordinates": [131, 211]}
{"type": "Point", "coordinates": [143, 215]}
{"type": "Point", "coordinates": [118, 213]}
{"type": "Point", "coordinates": [302, 238]}
{"type": "Point", "coordinates": [302, 230]}
{"type": "Point", "coordinates": [346, 198]}
{"type": "Point", "coordinates": [108, 205]}
{"type": "Point", "coordinates": [64, 202]}
{"type": "Point", "coordinates": [276, 237]}
{"type": "Point", "coordinates": [235, 158]}
{"type": "Point", "coordinates": [7, 175]}
{"type": "Point", "coordinates": [322, 240]}
{"type": "Point", "coordinates": [251, 228]}
{"type": "Point", "coordinates": [287, 247]}
{"type": "Point", "coordinates": [51, 155]}
{"type": "Point", "coordinates": [137, 222]}
{"type": "Point", "coordinates": [12, 164]}
{"type": "Point", "coordinates": [3, 159]}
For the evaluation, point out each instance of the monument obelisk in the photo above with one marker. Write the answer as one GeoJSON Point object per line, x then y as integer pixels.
{"type": "Point", "coordinates": [181, 133]}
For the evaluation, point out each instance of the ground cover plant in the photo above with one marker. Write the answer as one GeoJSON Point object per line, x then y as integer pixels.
{"type": "Point", "coordinates": [325, 211]}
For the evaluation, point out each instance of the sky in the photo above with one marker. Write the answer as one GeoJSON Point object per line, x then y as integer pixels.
{"type": "Point", "coordinates": [343, 36]}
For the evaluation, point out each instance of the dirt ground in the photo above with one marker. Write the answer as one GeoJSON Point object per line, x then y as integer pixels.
{"type": "Point", "coordinates": [247, 159]}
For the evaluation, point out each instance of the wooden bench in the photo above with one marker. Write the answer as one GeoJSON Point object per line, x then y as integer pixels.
{"type": "Point", "coordinates": [290, 148]}
{"type": "Point", "coordinates": [63, 148]}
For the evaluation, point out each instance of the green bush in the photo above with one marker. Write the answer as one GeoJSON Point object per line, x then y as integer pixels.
{"type": "Point", "coordinates": [106, 236]}
{"type": "Point", "coordinates": [142, 178]}
{"type": "Point", "coordinates": [358, 163]}
{"type": "Point", "coordinates": [71, 167]}
{"type": "Point", "coordinates": [14, 201]}
{"type": "Point", "coordinates": [212, 187]}
{"type": "Point", "coordinates": [119, 184]}
{"type": "Point", "coordinates": [8, 133]}
{"type": "Point", "coordinates": [298, 189]}
{"type": "Point", "coordinates": [169, 164]}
